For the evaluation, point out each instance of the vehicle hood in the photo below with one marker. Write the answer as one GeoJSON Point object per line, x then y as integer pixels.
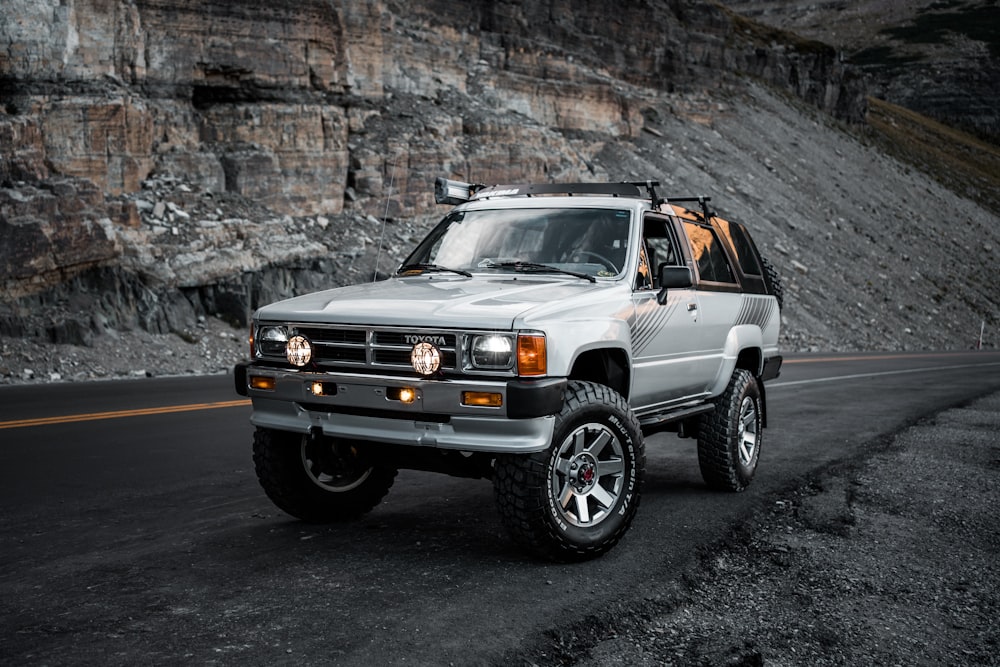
{"type": "Point", "coordinates": [435, 301]}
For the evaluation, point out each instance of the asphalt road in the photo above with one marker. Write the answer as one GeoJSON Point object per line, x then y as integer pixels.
{"type": "Point", "coordinates": [133, 529]}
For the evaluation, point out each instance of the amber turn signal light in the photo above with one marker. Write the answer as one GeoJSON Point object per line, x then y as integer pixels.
{"type": "Point", "coordinates": [262, 383]}
{"type": "Point", "coordinates": [482, 399]}
{"type": "Point", "coordinates": [531, 354]}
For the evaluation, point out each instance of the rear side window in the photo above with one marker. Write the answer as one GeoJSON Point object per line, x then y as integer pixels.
{"type": "Point", "coordinates": [708, 254]}
{"type": "Point", "coordinates": [742, 246]}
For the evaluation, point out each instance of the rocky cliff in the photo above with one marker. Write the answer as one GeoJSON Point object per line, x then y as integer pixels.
{"type": "Point", "coordinates": [941, 59]}
{"type": "Point", "coordinates": [164, 160]}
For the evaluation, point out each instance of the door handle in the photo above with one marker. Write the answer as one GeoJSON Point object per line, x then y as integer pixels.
{"type": "Point", "coordinates": [692, 306]}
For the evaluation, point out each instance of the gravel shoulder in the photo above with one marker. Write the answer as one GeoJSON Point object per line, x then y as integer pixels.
{"type": "Point", "coordinates": [890, 560]}
{"type": "Point", "coordinates": [205, 346]}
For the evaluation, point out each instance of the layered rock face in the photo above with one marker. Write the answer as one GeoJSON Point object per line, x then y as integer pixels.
{"type": "Point", "coordinates": [161, 160]}
{"type": "Point", "coordinates": [293, 104]}
{"type": "Point", "coordinates": [941, 59]}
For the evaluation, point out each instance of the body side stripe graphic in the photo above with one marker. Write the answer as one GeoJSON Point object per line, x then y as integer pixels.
{"type": "Point", "coordinates": [650, 318]}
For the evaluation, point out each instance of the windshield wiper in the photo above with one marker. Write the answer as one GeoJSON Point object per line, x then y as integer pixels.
{"type": "Point", "coordinates": [541, 268]}
{"type": "Point", "coordinates": [431, 267]}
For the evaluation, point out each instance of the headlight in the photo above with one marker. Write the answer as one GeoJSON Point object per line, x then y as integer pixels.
{"type": "Point", "coordinates": [298, 351]}
{"type": "Point", "coordinates": [271, 341]}
{"type": "Point", "coordinates": [493, 352]}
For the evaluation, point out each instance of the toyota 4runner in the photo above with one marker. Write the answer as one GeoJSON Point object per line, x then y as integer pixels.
{"type": "Point", "coordinates": [533, 338]}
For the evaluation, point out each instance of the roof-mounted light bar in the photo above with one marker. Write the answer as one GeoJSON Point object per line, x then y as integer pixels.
{"type": "Point", "coordinates": [447, 191]}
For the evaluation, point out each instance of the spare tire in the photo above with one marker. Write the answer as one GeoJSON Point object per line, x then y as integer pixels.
{"type": "Point", "coordinates": [773, 281]}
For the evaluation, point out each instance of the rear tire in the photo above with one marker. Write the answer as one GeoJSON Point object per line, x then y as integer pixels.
{"type": "Point", "coordinates": [318, 480]}
{"type": "Point", "coordinates": [729, 438]}
{"type": "Point", "coordinates": [576, 499]}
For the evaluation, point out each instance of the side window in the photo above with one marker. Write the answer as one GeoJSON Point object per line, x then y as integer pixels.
{"type": "Point", "coordinates": [707, 251]}
{"type": "Point", "coordinates": [658, 249]}
{"type": "Point", "coordinates": [740, 242]}
{"type": "Point", "coordinates": [644, 278]}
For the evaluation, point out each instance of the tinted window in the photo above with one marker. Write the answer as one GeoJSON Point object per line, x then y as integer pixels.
{"type": "Point", "coordinates": [708, 254]}
{"type": "Point", "coordinates": [742, 246]}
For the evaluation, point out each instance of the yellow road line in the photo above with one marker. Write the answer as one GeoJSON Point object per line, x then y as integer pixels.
{"type": "Point", "coordinates": [94, 416]}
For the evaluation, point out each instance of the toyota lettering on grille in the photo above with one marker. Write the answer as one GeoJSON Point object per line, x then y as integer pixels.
{"type": "Point", "coordinates": [413, 339]}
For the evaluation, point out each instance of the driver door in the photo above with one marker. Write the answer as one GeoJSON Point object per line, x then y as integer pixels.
{"type": "Point", "coordinates": [666, 364]}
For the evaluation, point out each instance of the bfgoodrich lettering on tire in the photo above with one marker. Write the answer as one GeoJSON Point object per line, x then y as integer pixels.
{"type": "Point", "coordinates": [576, 499]}
{"type": "Point", "coordinates": [318, 480]}
{"type": "Point", "coordinates": [729, 438]}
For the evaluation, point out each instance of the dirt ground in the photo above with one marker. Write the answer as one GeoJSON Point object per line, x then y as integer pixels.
{"type": "Point", "coordinates": [886, 561]}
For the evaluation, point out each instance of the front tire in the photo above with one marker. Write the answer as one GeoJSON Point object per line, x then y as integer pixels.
{"type": "Point", "coordinates": [577, 498]}
{"type": "Point", "coordinates": [729, 438]}
{"type": "Point", "coordinates": [318, 480]}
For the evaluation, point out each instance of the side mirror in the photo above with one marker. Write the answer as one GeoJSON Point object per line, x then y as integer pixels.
{"type": "Point", "coordinates": [672, 277]}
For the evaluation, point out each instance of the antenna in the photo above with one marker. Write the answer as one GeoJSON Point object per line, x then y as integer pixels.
{"type": "Point", "coordinates": [385, 216]}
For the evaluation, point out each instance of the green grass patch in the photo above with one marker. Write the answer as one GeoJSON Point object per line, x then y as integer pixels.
{"type": "Point", "coordinates": [961, 162]}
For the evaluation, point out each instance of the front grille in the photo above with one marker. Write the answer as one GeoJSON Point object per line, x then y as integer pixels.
{"type": "Point", "coordinates": [334, 336]}
{"type": "Point", "coordinates": [335, 347]}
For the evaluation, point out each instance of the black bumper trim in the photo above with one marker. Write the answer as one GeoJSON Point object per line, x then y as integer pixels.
{"type": "Point", "coordinates": [527, 399]}
{"type": "Point", "coordinates": [772, 368]}
{"type": "Point", "coordinates": [240, 378]}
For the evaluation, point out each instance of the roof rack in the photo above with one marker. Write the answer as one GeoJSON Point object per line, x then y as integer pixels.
{"type": "Point", "coordinates": [447, 191]}
{"type": "Point", "coordinates": [651, 191]}
{"type": "Point", "coordinates": [533, 189]}
{"type": "Point", "coordinates": [702, 202]}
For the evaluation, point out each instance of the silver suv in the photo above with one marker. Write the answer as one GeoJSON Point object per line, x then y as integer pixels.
{"type": "Point", "coordinates": [533, 338]}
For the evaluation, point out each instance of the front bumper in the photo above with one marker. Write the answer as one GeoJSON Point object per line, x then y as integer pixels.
{"type": "Point", "coordinates": [363, 407]}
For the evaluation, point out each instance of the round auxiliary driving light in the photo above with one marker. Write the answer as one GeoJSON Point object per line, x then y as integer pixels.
{"type": "Point", "coordinates": [298, 351]}
{"type": "Point", "coordinates": [426, 358]}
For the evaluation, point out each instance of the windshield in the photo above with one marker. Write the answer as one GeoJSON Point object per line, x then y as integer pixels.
{"type": "Point", "coordinates": [591, 241]}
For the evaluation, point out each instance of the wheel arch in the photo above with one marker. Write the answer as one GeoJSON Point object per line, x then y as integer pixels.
{"type": "Point", "coordinates": [746, 346]}
{"type": "Point", "coordinates": [743, 349]}
{"type": "Point", "coordinates": [608, 366]}
{"type": "Point", "coordinates": [751, 359]}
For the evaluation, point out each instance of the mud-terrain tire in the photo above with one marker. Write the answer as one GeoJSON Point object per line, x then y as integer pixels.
{"type": "Point", "coordinates": [318, 480]}
{"type": "Point", "coordinates": [576, 499]}
{"type": "Point", "coordinates": [729, 438]}
{"type": "Point", "coordinates": [773, 281]}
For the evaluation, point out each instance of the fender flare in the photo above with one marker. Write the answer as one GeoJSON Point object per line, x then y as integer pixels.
{"type": "Point", "coordinates": [742, 338]}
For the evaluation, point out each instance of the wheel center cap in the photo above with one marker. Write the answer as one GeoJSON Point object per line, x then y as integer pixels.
{"type": "Point", "coordinates": [583, 472]}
